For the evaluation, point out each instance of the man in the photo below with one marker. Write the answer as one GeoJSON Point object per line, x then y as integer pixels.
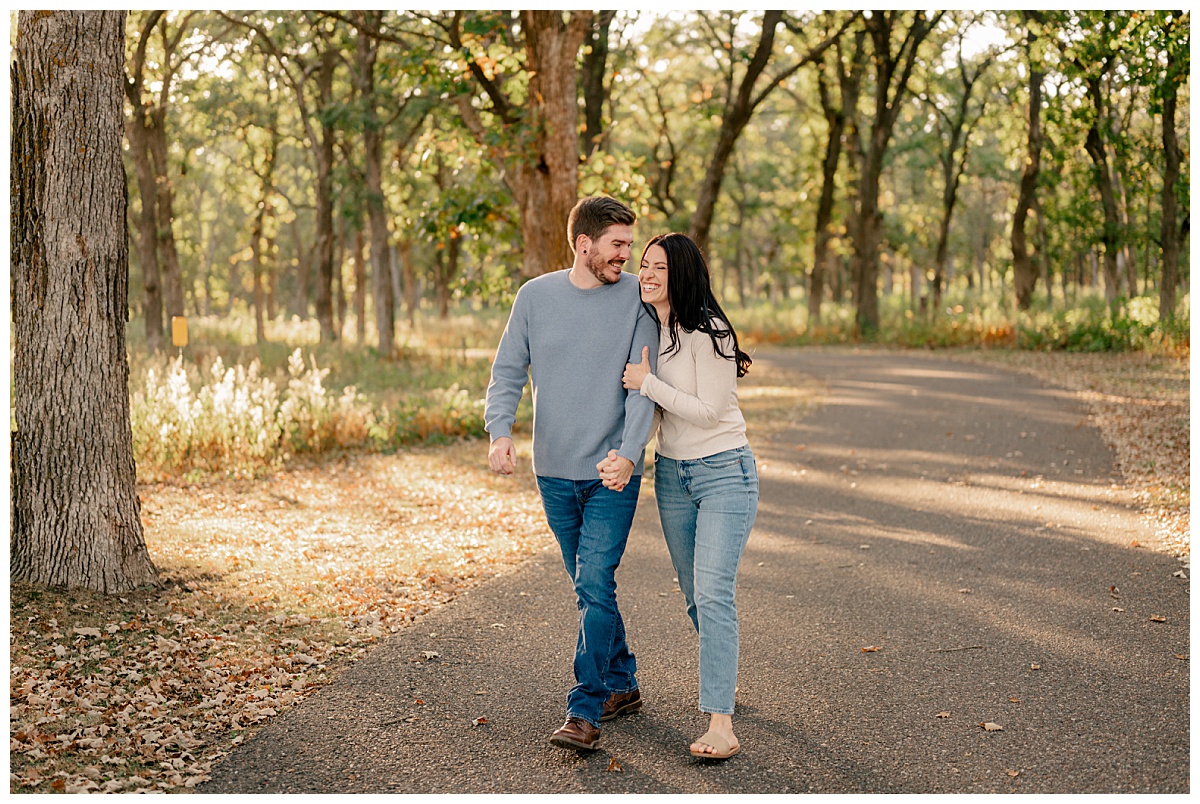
{"type": "Point", "coordinates": [573, 331]}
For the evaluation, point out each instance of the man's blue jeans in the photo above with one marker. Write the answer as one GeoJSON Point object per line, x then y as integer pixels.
{"type": "Point", "coordinates": [707, 507]}
{"type": "Point", "coordinates": [592, 524]}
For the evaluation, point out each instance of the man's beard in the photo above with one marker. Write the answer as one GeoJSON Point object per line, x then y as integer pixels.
{"type": "Point", "coordinates": [597, 266]}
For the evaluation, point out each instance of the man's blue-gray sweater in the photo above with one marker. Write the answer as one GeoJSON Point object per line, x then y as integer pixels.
{"type": "Point", "coordinates": [573, 344]}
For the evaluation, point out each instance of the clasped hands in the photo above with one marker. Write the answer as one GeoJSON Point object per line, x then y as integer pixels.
{"type": "Point", "coordinates": [615, 471]}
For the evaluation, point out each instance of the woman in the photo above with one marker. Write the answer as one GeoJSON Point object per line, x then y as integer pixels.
{"type": "Point", "coordinates": [705, 480]}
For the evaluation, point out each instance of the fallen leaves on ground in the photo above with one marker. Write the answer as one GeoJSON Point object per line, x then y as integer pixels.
{"type": "Point", "coordinates": [613, 765]}
{"type": "Point", "coordinates": [989, 726]}
{"type": "Point", "coordinates": [272, 588]}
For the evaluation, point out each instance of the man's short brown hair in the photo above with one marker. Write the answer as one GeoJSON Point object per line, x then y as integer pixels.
{"type": "Point", "coordinates": [592, 215]}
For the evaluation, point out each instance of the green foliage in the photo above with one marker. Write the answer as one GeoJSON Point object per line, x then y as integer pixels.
{"type": "Point", "coordinates": [980, 320]}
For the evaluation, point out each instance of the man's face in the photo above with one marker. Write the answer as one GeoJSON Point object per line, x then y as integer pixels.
{"type": "Point", "coordinates": [607, 254]}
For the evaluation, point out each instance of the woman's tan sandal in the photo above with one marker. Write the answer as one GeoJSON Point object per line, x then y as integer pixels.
{"type": "Point", "coordinates": [718, 742]}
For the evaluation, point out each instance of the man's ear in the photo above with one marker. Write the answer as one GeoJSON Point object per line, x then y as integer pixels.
{"type": "Point", "coordinates": [582, 243]}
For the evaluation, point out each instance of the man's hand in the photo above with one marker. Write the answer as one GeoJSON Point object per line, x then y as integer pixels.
{"type": "Point", "coordinates": [636, 372]}
{"type": "Point", "coordinates": [615, 471]}
{"type": "Point", "coordinates": [502, 457]}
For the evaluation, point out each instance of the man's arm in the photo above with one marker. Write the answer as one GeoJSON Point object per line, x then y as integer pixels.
{"type": "Point", "coordinates": [510, 371]}
{"type": "Point", "coordinates": [639, 410]}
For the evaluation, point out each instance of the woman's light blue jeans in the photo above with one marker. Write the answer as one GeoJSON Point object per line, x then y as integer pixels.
{"type": "Point", "coordinates": [707, 507]}
{"type": "Point", "coordinates": [592, 524]}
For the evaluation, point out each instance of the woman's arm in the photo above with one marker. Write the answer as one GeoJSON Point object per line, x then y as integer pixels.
{"type": "Point", "coordinates": [716, 380]}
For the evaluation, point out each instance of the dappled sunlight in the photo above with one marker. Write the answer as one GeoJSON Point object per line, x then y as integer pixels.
{"type": "Point", "coordinates": [357, 537]}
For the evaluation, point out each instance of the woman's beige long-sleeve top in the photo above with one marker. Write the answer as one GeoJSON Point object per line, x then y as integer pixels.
{"type": "Point", "coordinates": [696, 390]}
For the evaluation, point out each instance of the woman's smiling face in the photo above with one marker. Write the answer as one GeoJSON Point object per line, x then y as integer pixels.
{"type": "Point", "coordinates": [652, 276]}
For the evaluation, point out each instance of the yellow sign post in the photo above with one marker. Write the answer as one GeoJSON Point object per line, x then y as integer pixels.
{"type": "Point", "coordinates": [179, 330]}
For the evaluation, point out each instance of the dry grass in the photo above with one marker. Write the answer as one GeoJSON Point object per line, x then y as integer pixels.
{"type": "Point", "coordinates": [1141, 404]}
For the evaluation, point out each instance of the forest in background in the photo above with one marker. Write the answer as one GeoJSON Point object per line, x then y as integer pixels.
{"type": "Point", "coordinates": [338, 166]}
{"type": "Point", "coordinates": [301, 182]}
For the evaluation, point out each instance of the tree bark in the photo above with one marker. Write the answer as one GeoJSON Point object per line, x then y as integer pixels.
{"type": "Point", "coordinates": [550, 182]}
{"type": "Point", "coordinates": [1097, 149]}
{"type": "Point", "coordinates": [164, 207]}
{"type": "Point", "coordinates": [1170, 204]}
{"type": "Point", "coordinates": [541, 162]}
{"type": "Point", "coordinates": [366, 54]}
{"type": "Point", "coordinates": [323, 155]}
{"type": "Point", "coordinates": [137, 129]}
{"type": "Point", "coordinates": [75, 511]}
{"type": "Point", "coordinates": [1025, 272]}
{"type": "Point", "coordinates": [836, 118]}
{"type": "Point", "coordinates": [595, 92]}
{"type": "Point", "coordinates": [891, 83]}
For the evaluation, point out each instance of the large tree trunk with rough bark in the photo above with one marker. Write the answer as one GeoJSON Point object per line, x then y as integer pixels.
{"type": "Point", "coordinates": [541, 163]}
{"type": "Point", "coordinates": [547, 183]}
{"type": "Point", "coordinates": [1024, 269]}
{"type": "Point", "coordinates": [75, 511]}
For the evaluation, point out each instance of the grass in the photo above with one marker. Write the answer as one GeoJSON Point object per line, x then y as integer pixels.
{"type": "Point", "coordinates": [981, 319]}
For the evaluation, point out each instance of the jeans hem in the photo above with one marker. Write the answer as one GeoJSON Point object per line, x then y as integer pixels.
{"type": "Point", "coordinates": [595, 723]}
{"type": "Point", "coordinates": [712, 711]}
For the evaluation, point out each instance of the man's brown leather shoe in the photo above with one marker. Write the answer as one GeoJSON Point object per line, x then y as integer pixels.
{"type": "Point", "coordinates": [621, 703]}
{"type": "Point", "coordinates": [578, 734]}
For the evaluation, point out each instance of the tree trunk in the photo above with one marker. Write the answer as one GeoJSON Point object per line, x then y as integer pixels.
{"type": "Point", "coordinates": [137, 129]}
{"type": "Point", "coordinates": [836, 118]}
{"type": "Point", "coordinates": [303, 271]}
{"type": "Point", "coordinates": [1024, 270]}
{"type": "Point", "coordinates": [739, 107]}
{"type": "Point", "coordinates": [360, 288]}
{"type": "Point", "coordinates": [152, 303]}
{"type": "Point", "coordinates": [75, 511]}
{"type": "Point", "coordinates": [595, 93]}
{"type": "Point", "coordinates": [381, 268]}
{"type": "Point", "coordinates": [1098, 151]}
{"type": "Point", "coordinates": [408, 281]}
{"type": "Point", "coordinates": [549, 181]}
{"type": "Point", "coordinates": [891, 84]}
{"type": "Point", "coordinates": [272, 281]}
{"type": "Point", "coordinates": [256, 260]}
{"type": "Point", "coordinates": [323, 153]}
{"type": "Point", "coordinates": [337, 286]}
{"type": "Point", "coordinates": [1170, 203]}
{"type": "Point", "coordinates": [172, 275]}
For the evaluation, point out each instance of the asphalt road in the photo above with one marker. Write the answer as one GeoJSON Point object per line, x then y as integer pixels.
{"type": "Point", "coordinates": [960, 523]}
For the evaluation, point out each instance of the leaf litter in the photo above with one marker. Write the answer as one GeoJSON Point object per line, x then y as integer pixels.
{"type": "Point", "coordinates": [272, 588]}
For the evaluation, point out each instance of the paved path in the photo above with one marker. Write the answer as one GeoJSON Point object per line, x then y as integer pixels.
{"type": "Point", "coordinates": [960, 519]}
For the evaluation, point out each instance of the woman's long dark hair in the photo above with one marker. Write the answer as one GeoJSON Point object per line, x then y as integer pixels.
{"type": "Point", "coordinates": [693, 305]}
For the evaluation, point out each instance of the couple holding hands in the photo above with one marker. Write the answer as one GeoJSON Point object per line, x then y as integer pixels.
{"type": "Point", "coordinates": [572, 333]}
